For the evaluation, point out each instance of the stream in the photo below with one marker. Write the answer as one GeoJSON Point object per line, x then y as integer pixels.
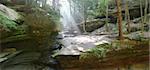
{"type": "Point", "coordinates": [71, 42]}
{"type": "Point", "coordinates": [74, 42]}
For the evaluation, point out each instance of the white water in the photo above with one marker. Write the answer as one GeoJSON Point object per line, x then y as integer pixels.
{"type": "Point", "coordinates": [67, 19]}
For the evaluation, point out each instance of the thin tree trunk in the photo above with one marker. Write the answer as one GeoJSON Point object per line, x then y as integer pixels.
{"type": "Point", "coordinates": [145, 11]}
{"type": "Point", "coordinates": [107, 29]}
{"type": "Point", "coordinates": [127, 16]}
{"type": "Point", "coordinates": [118, 2]}
{"type": "Point", "coordinates": [85, 18]}
{"type": "Point", "coordinates": [44, 3]}
{"type": "Point", "coordinates": [84, 26]}
{"type": "Point", "coordinates": [26, 2]}
{"type": "Point", "coordinates": [141, 10]}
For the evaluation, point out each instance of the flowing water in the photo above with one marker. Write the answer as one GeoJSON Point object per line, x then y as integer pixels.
{"type": "Point", "coordinates": [68, 22]}
{"type": "Point", "coordinates": [74, 44]}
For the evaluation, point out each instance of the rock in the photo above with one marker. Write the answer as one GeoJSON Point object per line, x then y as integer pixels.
{"type": "Point", "coordinates": [22, 59]}
{"type": "Point", "coordinates": [9, 13]}
{"type": "Point", "coordinates": [111, 19]}
{"type": "Point", "coordinates": [137, 26]}
{"type": "Point", "coordinates": [82, 43]}
{"type": "Point", "coordinates": [91, 25]}
{"type": "Point", "coordinates": [14, 38]}
{"type": "Point", "coordinates": [60, 36]}
{"type": "Point", "coordinates": [102, 30]}
{"type": "Point", "coordinates": [6, 26]}
{"type": "Point", "coordinates": [138, 36]}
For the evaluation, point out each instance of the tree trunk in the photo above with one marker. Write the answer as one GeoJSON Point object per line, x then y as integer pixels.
{"type": "Point", "coordinates": [118, 2]}
{"type": "Point", "coordinates": [141, 10]}
{"type": "Point", "coordinates": [44, 3]}
{"type": "Point", "coordinates": [145, 11]}
{"type": "Point", "coordinates": [26, 2]}
{"type": "Point", "coordinates": [127, 16]}
{"type": "Point", "coordinates": [84, 28]}
{"type": "Point", "coordinates": [107, 28]}
{"type": "Point", "coordinates": [85, 18]}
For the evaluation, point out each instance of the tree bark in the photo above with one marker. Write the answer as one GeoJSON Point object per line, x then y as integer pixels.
{"type": "Point", "coordinates": [141, 10]}
{"type": "Point", "coordinates": [118, 2]}
{"type": "Point", "coordinates": [107, 28]}
{"type": "Point", "coordinates": [26, 2]}
{"type": "Point", "coordinates": [85, 18]}
{"type": "Point", "coordinates": [145, 11]}
{"type": "Point", "coordinates": [44, 3]}
{"type": "Point", "coordinates": [127, 16]}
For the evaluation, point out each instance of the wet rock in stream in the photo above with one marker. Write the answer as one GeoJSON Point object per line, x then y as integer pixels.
{"type": "Point", "coordinates": [81, 43]}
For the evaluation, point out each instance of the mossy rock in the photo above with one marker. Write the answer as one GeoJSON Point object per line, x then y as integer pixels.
{"type": "Point", "coordinates": [7, 23]}
{"type": "Point", "coordinates": [91, 25]}
{"type": "Point", "coordinates": [9, 13]}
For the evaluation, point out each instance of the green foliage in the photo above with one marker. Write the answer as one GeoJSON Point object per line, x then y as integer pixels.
{"type": "Point", "coordinates": [100, 51]}
{"type": "Point", "coordinates": [40, 27]}
{"type": "Point", "coordinates": [50, 13]}
{"type": "Point", "coordinates": [90, 8]}
{"type": "Point", "coordinates": [37, 22]}
{"type": "Point", "coordinates": [20, 30]}
{"type": "Point", "coordinates": [54, 15]}
{"type": "Point", "coordinates": [6, 23]}
{"type": "Point", "coordinates": [124, 29]}
{"type": "Point", "coordinates": [85, 7]}
{"type": "Point", "coordinates": [101, 9]}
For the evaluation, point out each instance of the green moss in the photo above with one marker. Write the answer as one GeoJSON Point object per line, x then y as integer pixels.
{"type": "Point", "coordinates": [6, 23]}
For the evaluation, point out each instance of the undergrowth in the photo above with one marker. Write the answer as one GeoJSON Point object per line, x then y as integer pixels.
{"type": "Point", "coordinates": [100, 51]}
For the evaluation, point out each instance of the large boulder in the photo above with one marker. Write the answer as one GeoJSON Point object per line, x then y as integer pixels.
{"type": "Point", "coordinates": [91, 25]}
{"type": "Point", "coordinates": [138, 35]}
